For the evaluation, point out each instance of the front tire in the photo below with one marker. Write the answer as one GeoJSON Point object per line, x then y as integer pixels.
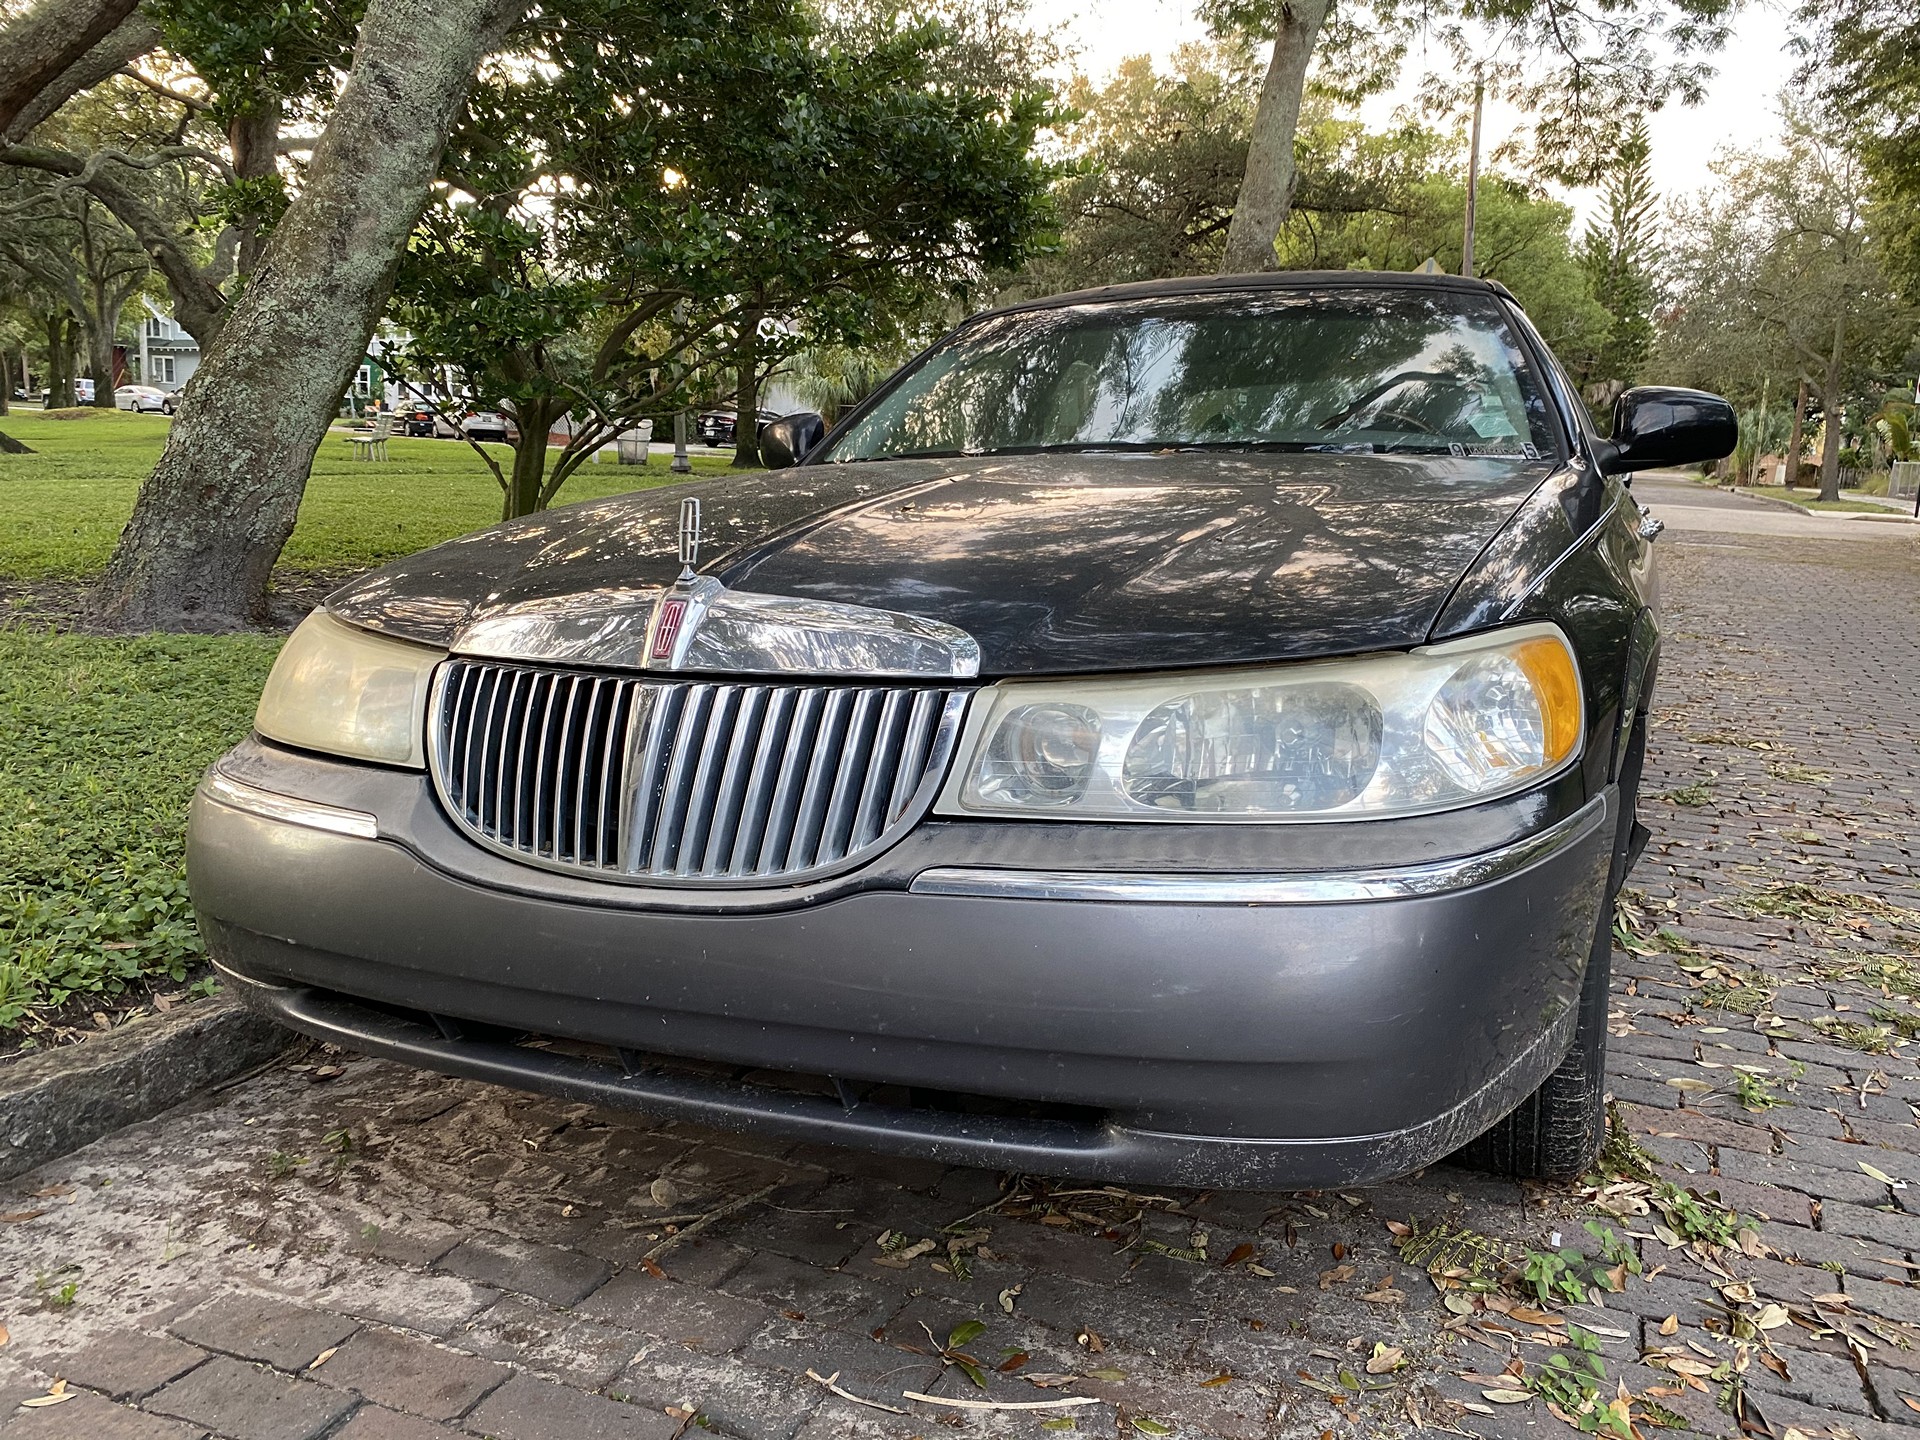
{"type": "Point", "coordinates": [1557, 1132]}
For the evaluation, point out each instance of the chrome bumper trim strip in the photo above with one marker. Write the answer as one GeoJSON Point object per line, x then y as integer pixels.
{"type": "Point", "coordinates": [1310, 888]}
{"type": "Point", "coordinates": [310, 813]}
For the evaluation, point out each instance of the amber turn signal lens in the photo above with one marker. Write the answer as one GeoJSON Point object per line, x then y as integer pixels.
{"type": "Point", "coordinates": [1547, 662]}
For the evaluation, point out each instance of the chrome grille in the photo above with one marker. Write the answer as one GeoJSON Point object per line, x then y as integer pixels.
{"type": "Point", "coordinates": [684, 781]}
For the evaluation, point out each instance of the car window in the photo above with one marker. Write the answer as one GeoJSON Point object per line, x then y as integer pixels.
{"type": "Point", "coordinates": [1399, 371]}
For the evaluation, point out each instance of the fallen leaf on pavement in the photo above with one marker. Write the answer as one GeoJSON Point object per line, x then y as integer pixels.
{"type": "Point", "coordinates": [20, 1217]}
{"type": "Point", "coordinates": [1385, 1359]}
{"type": "Point", "coordinates": [1225, 1377]}
{"type": "Point", "coordinates": [1240, 1252]}
{"type": "Point", "coordinates": [1339, 1275]}
{"type": "Point", "coordinates": [1670, 1325]}
{"type": "Point", "coordinates": [1508, 1397]}
{"type": "Point", "coordinates": [324, 1356]}
{"type": "Point", "coordinates": [1909, 1401]}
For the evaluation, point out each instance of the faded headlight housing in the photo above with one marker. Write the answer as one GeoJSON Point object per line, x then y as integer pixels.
{"type": "Point", "coordinates": [1379, 735]}
{"type": "Point", "coordinates": [347, 691]}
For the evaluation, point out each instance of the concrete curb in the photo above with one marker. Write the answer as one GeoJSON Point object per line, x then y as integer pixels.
{"type": "Point", "coordinates": [53, 1103]}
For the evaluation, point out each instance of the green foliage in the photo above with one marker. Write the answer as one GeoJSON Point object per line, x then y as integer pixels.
{"type": "Point", "coordinates": [1619, 256]}
{"type": "Point", "coordinates": [1867, 67]}
{"type": "Point", "coordinates": [1574, 1384]}
{"type": "Point", "coordinates": [107, 738]}
{"type": "Point", "coordinates": [676, 196]}
{"type": "Point", "coordinates": [252, 54]}
{"type": "Point", "coordinates": [1156, 164]}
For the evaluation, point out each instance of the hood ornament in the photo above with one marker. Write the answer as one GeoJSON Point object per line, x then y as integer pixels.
{"type": "Point", "coordinates": [698, 624]}
{"type": "Point", "coordinates": [689, 538]}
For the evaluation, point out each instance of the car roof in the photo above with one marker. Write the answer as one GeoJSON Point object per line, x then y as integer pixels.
{"type": "Point", "coordinates": [1187, 285]}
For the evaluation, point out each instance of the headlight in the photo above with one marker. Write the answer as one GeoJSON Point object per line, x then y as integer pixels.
{"type": "Point", "coordinates": [1397, 734]}
{"type": "Point", "coordinates": [349, 692]}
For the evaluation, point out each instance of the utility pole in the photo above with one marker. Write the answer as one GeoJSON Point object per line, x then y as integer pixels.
{"type": "Point", "coordinates": [1473, 176]}
{"type": "Point", "coordinates": [681, 465]}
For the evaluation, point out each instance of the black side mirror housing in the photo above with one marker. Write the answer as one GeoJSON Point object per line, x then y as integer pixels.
{"type": "Point", "coordinates": [786, 441]}
{"type": "Point", "coordinates": [1655, 425]}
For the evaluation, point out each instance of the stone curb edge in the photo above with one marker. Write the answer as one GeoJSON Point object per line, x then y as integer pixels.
{"type": "Point", "coordinates": [53, 1103]}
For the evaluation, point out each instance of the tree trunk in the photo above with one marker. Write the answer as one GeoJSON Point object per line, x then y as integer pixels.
{"type": "Point", "coordinates": [37, 47]}
{"type": "Point", "coordinates": [1830, 400]}
{"type": "Point", "coordinates": [59, 362]}
{"type": "Point", "coordinates": [1798, 440]}
{"type": "Point", "coordinates": [526, 482]}
{"type": "Point", "coordinates": [1266, 189]}
{"type": "Point", "coordinates": [746, 400]}
{"type": "Point", "coordinates": [213, 516]}
{"type": "Point", "coordinates": [100, 361]}
{"type": "Point", "coordinates": [254, 138]}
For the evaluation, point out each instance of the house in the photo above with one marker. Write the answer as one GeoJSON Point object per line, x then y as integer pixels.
{"type": "Point", "coordinates": [168, 354]}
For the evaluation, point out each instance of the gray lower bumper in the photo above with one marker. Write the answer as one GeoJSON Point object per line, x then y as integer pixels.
{"type": "Point", "coordinates": [1207, 1043]}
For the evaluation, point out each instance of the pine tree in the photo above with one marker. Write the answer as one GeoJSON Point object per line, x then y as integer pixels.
{"type": "Point", "coordinates": [1619, 253]}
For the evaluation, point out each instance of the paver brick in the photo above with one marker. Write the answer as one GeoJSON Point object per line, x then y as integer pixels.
{"type": "Point", "coordinates": [559, 1277]}
{"type": "Point", "coordinates": [1793, 1171]}
{"type": "Point", "coordinates": [528, 1409]}
{"type": "Point", "coordinates": [739, 1399]}
{"type": "Point", "coordinates": [404, 1372]}
{"type": "Point", "coordinates": [669, 1310]}
{"type": "Point", "coordinates": [260, 1327]}
{"type": "Point", "coordinates": [126, 1364]}
{"type": "Point", "coordinates": [375, 1422]}
{"type": "Point", "coordinates": [240, 1399]}
{"type": "Point", "coordinates": [94, 1418]}
{"type": "Point", "coordinates": [583, 1352]}
{"type": "Point", "coordinates": [808, 1292]}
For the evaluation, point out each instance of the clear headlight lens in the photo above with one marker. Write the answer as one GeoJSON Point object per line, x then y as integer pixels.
{"type": "Point", "coordinates": [350, 692]}
{"type": "Point", "coordinates": [1380, 735]}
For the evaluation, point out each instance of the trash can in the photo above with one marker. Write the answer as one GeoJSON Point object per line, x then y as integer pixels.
{"type": "Point", "coordinates": [632, 444]}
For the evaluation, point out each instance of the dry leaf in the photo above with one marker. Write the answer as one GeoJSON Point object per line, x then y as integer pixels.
{"type": "Point", "coordinates": [324, 1356]}
{"type": "Point", "coordinates": [1771, 1317]}
{"type": "Point", "coordinates": [1223, 1378]}
{"type": "Point", "coordinates": [1670, 1325]}
{"type": "Point", "coordinates": [1339, 1275]}
{"type": "Point", "coordinates": [1908, 1401]}
{"type": "Point", "coordinates": [1403, 1231]}
{"type": "Point", "coordinates": [1508, 1397]}
{"type": "Point", "coordinates": [1008, 1296]}
{"type": "Point", "coordinates": [1386, 1358]}
{"type": "Point", "coordinates": [1385, 1297]}
{"type": "Point", "coordinates": [1690, 1085]}
{"type": "Point", "coordinates": [5, 1335]}
{"type": "Point", "coordinates": [1240, 1252]}
{"type": "Point", "coordinates": [20, 1217]}
{"type": "Point", "coordinates": [1877, 1174]}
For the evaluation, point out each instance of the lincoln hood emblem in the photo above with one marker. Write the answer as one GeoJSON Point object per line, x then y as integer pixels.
{"type": "Point", "coordinates": [699, 624]}
{"type": "Point", "coordinates": [689, 537]}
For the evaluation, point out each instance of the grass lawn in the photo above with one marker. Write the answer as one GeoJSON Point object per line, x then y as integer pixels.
{"type": "Point", "coordinates": [62, 508]}
{"type": "Point", "coordinates": [104, 737]}
{"type": "Point", "coordinates": [1809, 500]}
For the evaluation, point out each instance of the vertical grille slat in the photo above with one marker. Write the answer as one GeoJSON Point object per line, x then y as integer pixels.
{"type": "Point", "coordinates": [683, 781]}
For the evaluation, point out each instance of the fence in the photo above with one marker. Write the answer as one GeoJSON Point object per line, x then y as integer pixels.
{"type": "Point", "coordinates": [1903, 481]}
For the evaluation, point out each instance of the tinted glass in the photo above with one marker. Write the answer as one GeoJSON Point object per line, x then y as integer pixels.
{"type": "Point", "coordinates": [1371, 371]}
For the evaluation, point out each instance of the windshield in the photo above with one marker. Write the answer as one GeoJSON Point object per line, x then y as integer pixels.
{"type": "Point", "coordinates": [1372, 371]}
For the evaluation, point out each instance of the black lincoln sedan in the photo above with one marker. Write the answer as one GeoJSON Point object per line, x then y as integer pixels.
{"type": "Point", "coordinates": [1180, 733]}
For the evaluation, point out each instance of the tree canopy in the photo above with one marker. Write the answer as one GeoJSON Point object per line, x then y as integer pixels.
{"type": "Point", "coordinates": [668, 198]}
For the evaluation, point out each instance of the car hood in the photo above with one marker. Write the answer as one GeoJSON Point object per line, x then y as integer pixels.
{"type": "Point", "coordinates": [1052, 563]}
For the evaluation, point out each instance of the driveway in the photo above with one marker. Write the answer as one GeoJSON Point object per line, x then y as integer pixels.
{"type": "Point", "coordinates": [339, 1247]}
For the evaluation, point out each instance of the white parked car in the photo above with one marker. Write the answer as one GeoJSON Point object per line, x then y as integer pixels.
{"type": "Point", "coordinates": [144, 397]}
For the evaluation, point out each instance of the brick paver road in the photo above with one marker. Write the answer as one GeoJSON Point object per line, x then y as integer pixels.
{"type": "Point", "coordinates": [344, 1248]}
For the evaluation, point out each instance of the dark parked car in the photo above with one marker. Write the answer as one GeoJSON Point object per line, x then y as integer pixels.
{"type": "Point", "coordinates": [1184, 732]}
{"type": "Point", "coordinates": [718, 427]}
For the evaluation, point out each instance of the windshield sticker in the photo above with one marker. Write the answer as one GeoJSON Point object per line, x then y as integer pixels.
{"type": "Point", "coordinates": [1526, 450]}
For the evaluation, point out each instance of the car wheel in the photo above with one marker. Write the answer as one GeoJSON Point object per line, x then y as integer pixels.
{"type": "Point", "coordinates": [1557, 1132]}
{"type": "Point", "coordinates": [166, 407]}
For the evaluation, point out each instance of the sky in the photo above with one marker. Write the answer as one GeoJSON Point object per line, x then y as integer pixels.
{"type": "Point", "coordinates": [1740, 108]}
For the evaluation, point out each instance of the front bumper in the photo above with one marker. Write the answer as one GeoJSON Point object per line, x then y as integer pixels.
{"type": "Point", "coordinates": [1270, 1040]}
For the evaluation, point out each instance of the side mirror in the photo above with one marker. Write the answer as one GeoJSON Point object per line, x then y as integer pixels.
{"type": "Point", "coordinates": [786, 441]}
{"type": "Point", "coordinates": [1656, 425]}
